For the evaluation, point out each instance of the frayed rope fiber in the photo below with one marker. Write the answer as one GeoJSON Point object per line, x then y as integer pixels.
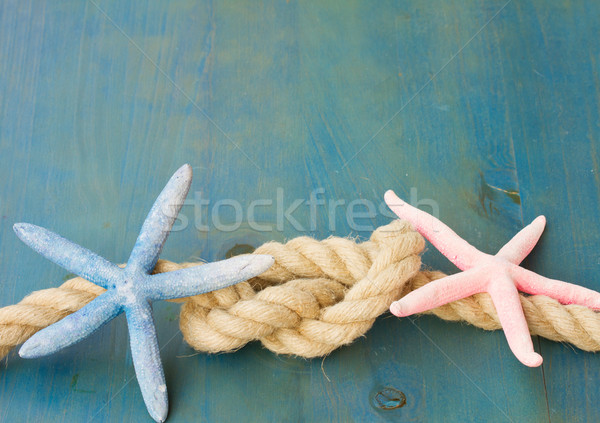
{"type": "Point", "coordinates": [318, 296]}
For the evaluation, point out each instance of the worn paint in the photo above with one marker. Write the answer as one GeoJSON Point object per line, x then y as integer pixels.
{"type": "Point", "coordinates": [490, 195]}
{"type": "Point", "coordinates": [388, 398]}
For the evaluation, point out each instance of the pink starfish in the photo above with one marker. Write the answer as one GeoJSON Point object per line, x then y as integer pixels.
{"type": "Point", "coordinates": [498, 275]}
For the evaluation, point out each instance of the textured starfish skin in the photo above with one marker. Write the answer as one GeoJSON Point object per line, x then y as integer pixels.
{"type": "Point", "coordinates": [132, 289]}
{"type": "Point", "coordinates": [499, 275]}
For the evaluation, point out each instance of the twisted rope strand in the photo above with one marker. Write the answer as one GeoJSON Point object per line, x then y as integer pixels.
{"type": "Point", "coordinates": [317, 296]}
{"type": "Point", "coordinates": [546, 317]}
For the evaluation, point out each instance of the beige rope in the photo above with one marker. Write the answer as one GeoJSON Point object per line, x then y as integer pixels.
{"type": "Point", "coordinates": [317, 296]}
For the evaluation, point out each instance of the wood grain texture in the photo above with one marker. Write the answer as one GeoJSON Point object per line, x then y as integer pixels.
{"type": "Point", "coordinates": [489, 109]}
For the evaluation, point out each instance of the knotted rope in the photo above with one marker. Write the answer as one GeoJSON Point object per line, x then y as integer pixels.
{"type": "Point", "coordinates": [318, 296]}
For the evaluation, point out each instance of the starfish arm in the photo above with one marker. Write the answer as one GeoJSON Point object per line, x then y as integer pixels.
{"type": "Point", "coordinates": [522, 243]}
{"type": "Point", "coordinates": [72, 328]}
{"type": "Point", "coordinates": [439, 292]}
{"type": "Point", "coordinates": [510, 312]}
{"type": "Point", "coordinates": [159, 222]}
{"type": "Point", "coordinates": [456, 249]}
{"type": "Point", "coordinates": [69, 255]}
{"type": "Point", "coordinates": [207, 277]}
{"type": "Point", "coordinates": [146, 359]}
{"type": "Point", "coordinates": [564, 292]}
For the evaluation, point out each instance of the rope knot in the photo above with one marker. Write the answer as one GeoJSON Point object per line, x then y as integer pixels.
{"type": "Point", "coordinates": [315, 298]}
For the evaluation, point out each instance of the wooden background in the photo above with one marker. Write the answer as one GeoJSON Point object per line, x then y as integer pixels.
{"type": "Point", "coordinates": [490, 109]}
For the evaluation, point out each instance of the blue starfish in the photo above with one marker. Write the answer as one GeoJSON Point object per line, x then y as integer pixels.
{"type": "Point", "coordinates": [132, 288]}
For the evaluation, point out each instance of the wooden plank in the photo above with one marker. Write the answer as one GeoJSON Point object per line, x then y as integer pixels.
{"type": "Point", "coordinates": [99, 104]}
{"type": "Point", "coordinates": [555, 111]}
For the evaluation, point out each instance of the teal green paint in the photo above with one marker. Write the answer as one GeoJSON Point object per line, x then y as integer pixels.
{"type": "Point", "coordinates": [238, 249]}
{"type": "Point", "coordinates": [301, 87]}
{"type": "Point", "coordinates": [69, 276]}
{"type": "Point", "coordinates": [74, 385]}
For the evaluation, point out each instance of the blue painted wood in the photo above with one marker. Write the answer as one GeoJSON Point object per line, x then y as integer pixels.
{"type": "Point", "coordinates": [559, 176]}
{"type": "Point", "coordinates": [488, 109]}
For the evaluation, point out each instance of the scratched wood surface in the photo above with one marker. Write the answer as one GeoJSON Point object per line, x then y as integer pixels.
{"type": "Point", "coordinates": [487, 111]}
